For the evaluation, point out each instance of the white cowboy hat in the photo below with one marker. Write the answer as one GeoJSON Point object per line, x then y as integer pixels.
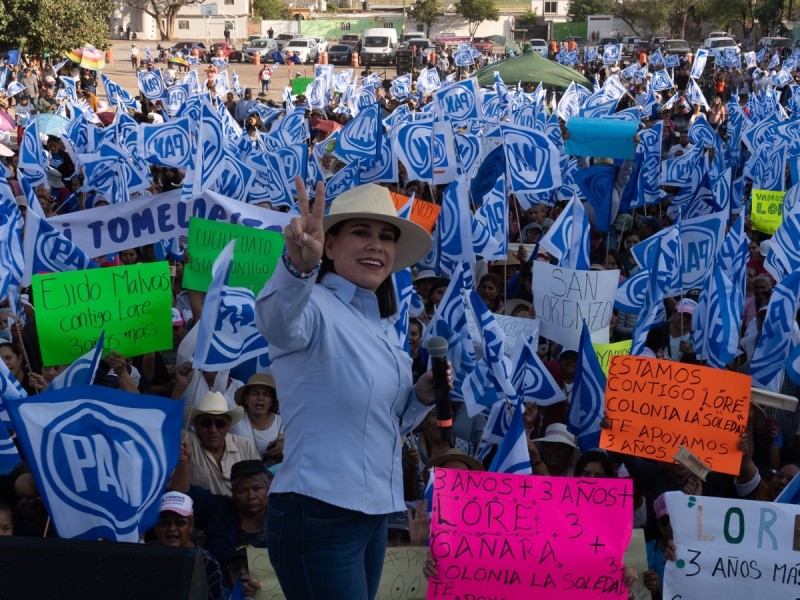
{"type": "Point", "coordinates": [214, 403]}
{"type": "Point", "coordinates": [557, 433]}
{"type": "Point", "coordinates": [372, 201]}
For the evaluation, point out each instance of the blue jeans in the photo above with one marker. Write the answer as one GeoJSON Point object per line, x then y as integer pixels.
{"type": "Point", "coordinates": [323, 552]}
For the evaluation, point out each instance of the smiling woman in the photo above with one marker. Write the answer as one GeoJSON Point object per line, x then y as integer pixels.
{"type": "Point", "coordinates": [345, 384]}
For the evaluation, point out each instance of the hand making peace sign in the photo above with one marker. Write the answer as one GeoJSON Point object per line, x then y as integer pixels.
{"type": "Point", "coordinates": [304, 234]}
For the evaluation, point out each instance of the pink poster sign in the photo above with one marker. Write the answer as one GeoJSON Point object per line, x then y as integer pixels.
{"type": "Point", "coordinates": [513, 537]}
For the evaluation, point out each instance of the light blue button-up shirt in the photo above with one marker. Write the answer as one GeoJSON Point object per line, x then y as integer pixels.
{"type": "Point", "coordinates": [345, 392]}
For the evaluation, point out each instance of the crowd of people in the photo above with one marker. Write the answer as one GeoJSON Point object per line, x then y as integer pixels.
{"type": "Point", "coordinates": [353, 408]}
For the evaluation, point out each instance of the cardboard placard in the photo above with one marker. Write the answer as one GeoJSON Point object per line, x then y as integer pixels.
{"type": "Point", "coordinates": [604, 352]}
{"type": "Point", "coordinates": [656, 406]}
{"type": "Point", "coordinates": [766, 210]}
{"type": "Point", "coordinates": [733, 549]}
{"type": "Point", "coordinates": [517, 537]}
{"type": "Point", "coordinates": [132, 304]}
{"type": "Point", "coordinates": [423, 213]}
{"type": "Point", "coordinates": [300, 84]}
{"type": "Point", "coordinates": [254, 258]}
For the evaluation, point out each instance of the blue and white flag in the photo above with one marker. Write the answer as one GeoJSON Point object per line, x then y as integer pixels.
{"type": "Point", "coordinates": [656, 58]}
{"type": "Point", "coordinates": [649, 189]}
{"type": "Point", "coordinates": [14, 88]}
{"type": "Point", "coordinates": [652, 311]}
{"type": "Point", "coordinates": [9, 457]}
{"type": "Point", "coordinates": [588, 395]}
{"type": "Point", "coordinates": [342, 80]}
{"type": "Point", "coordinates": [590, 53]}
{"type": "Point", "coordinates": [661, 81]}
{"type": "Point", "coordinates": [463, 58]}
{"type": "Point", "coordinates": [401, 86]}
{"type": "Point", "coordinates": [571, 101]}
{"type": "Point", "coordinates": [671, 61]}
{"type": "Point", "coordinates": [345, 179]}
{"type": "Point", "coordinates": [568, 238]}
{"type": "Point", "coordinates": [116, 94]}
{"type": "Point", "coordinates": [596, 184]}
{"type": "Point", "coordinates": [220, 63]}
{"type": "Point", "coordinates": [151, 84]}
{"type": "Point", "coordinates": [783, 256]}
{"type": "Point", "coordinates": [404, 291]}
{"type": "Point", "coordinates": [699, 63]}
{"type": "Point", "coordinates": [12, 258]}
{"type": "Point", "coordinates": [83, 370]}
{"type": "Point", "coordinates": [761, 55]}
{"type": "Point", "coordinates": [168, 144]}
{"type": "Point", "coordinates": [47, 250]}
{"type": "Point", "coordinates": [531, 379]}
{"type": "Point", "coordinates": [455, 225]}
{"type": "Point", "coordinates": [460, 101]}
{"type": "Point", "coordinates": [532, 160]}
{"type": "Point", "coordinates": [717, 319]}
{"type": "Point", "coordinates": [32, 156]}
{"type": "Point", "coordinates": [777, 334]}
{"type": "Point", "coordinates": [631, 292]}
{"type": "Point", "coordinates": [512, 454]}
{"type": "Point", "coordinates": [222, 84]}
{"type": "Point", "coordinates": [612, 53]}
{"type": "Point", "coordinates": [490, 224]}
{"type": "Point", "coordinates": [413, 145]}
{"type": "Point", "coordinates": [361, 137]}
{"type": "Point", "coordinates": [100, 457]}
{"type": "Point", "coordinates": [751, 62]}
{"type": "Point", "coordinates": [236, 84]}
{"type": "Point", "coordinates": [428, 81]}
{"type": "Point", "coordinates": [695, 95]}
{"type": "Point", "coordinates": [774, 61]}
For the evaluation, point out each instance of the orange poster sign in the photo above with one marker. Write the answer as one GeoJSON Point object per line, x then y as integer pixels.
{"type": "Point", "coordinates": [654, 406]}
{"type": "Point", "coordinates": [423, 213]}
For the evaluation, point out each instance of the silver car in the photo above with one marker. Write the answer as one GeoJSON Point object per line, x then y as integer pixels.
{"type": "Point", "coordinates": [265, 47]}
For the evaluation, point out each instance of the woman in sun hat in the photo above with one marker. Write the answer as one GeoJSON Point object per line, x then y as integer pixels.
{"type": "Point", "coordinates": [261, 421]}
{"type": "Point", "coordinates": [346, 389]}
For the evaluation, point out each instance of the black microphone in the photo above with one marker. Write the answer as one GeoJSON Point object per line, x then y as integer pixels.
{"type": "Point", "coordinates": [437, 348]}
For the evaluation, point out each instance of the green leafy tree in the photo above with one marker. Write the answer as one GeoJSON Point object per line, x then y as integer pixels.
{"type": "Point", "coordinates": [477, 11]}
{"type": "Point", "coordinates": [526, 19]}
{"type": "Point", "coordinates": [580, 9]}
{"type": "Point", "coordinates": [642, 16]}
{"type": "Point", "coordinates": [726, 13]}
{"type": "Point", "coordinates": [770, 15]}
{"type": "Point", "coordinates": [48, 25]}
{"type": "Point", "coordinates": [270, 10]}
{"type": "Point", "coordinates": [425, 11]}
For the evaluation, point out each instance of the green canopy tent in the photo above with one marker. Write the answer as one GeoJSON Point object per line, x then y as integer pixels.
{"type": "Point", "coordinates": [531, 67]}
{"type": "Point", "coordinates": [506, 43]}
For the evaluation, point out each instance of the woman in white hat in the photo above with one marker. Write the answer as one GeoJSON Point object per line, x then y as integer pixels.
{"type": "Point", "coordinates": [261, 421]}
{"type": "Point", "coordinates": [347, 392]}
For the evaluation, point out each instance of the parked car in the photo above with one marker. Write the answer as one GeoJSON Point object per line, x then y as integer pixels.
{"type": "Point", "coordinates": [264, 47]}
{"type": "Point", "coordinates": [322, 43]}
{"type": "Point", "coordinates": [340, 54]}
{"type": "Point", "coordinates": [629, 43]}
{"type": "Point", "coordinates": [641, 46]}
{"type": "Point", "coordinates": [539, 46]}
{"type": "Point", "coordinates": [717, 45]}
{"type": "Point", "coordinates": [658, 42]}
{"type": "Point", "coordinates": [282, 38]}
{"type": "Point", "coordinates": [351, 37]}
{"type": "Point", "coordinates": [185, 48]}
{"type": "Point", "coordinates": [774, 42]}
{"type": "Point", "coordinates": [679, 47]}
{"type": "Point", "coordinates": [305, 48]}
{"type": "Point", "coordinates": [423, 46]}
{"type": "Point", "coordinates": [229, 52]}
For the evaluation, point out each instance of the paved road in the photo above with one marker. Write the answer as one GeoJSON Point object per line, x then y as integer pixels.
{"type": "Point", "coordinates": [121, 72]}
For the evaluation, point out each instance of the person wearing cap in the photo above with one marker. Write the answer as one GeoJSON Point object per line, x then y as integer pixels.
{"type": "Point", "coordinates": [531, 233]}
{"type": "Point", "coordinates": [261, 421]}
{"type": "Point", "coordinates": [346, 385]}
{"type": "Point", "coordinates": [174, 530]}
{"type": "Point", "coordinates": [214, 448]}
{"type": "Point", "coordinates": [229, 521]}
{"type": "Point", "coordinates": [680, 346]}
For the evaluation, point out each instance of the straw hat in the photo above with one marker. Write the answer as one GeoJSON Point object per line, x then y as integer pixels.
{"type": "Point", "coordinates": [372, 201]}
{"type": "Point", "coordinates": [456, 455]}
{"type": "Point", "coordinates": [214, 403]}
{"type": "Point", "coordinates": [257, 379]}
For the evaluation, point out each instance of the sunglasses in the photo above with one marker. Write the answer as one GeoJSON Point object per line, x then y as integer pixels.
{"type": "Point", "coordinates": [178, 522]}
{"type": "Point", "coordinates": [206, 422]}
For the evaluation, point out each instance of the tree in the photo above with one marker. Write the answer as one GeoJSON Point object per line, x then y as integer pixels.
{"type": "Point", "coordinates": [580, 9]}
{"type": "Point", "coordinates": [726, 13]}
{"type": "Point", "coordinates": [642, 15]}
{"type": "Point", "coordinates": [425, 11]}
{"type": "Point", "coordinates": [163, 11]}
{"type": "Point", "coordinates": [38, 26]}
{"type": "Point", "coordinates": [273, 10]}
{"type": "Point", "coordinates": [770, 14]}
{"type": "Point", "coordinates": [477, 11]}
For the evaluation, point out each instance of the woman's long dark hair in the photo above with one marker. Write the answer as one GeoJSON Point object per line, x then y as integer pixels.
{"type": "Point", "coordinates": [387, 300]}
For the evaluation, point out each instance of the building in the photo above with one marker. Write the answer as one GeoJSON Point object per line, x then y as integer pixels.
{"type": "Point", "coordinates": [203, 22]}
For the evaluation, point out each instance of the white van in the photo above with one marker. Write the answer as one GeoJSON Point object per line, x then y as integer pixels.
{"type": "Point", "coordinates": [379, 46]}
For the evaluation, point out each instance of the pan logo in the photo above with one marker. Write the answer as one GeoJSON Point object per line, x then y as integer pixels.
{"type": "Point", "coordinates": [176, 97]}
{"type": "Point", "coordinates": [231, 182]}
{"type": "Point", "coordinates": [415, 141]}
{"type": "Point", "coordinates": [362, 133]}
{"type": "Point", "coordinates": [152, 84]}
{"type": "Point", "coordinates": [458, 103]}
{"type": "Point", "coordinates": [528, 161]}
{"type": "Point", "coordinates": [112, 472]}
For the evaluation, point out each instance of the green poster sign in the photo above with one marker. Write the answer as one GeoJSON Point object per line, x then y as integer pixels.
{"type": "Point", "coordinates": [254, 258]}
{"type": "Point", "coordinates": [132, 304]}
{"type": "Point", "coordinates": [300, 84]}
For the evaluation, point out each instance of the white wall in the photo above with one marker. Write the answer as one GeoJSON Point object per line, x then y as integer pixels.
{"type": "Point", "coordinates": [198, 27]}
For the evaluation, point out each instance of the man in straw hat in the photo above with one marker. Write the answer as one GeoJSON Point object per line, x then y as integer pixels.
{"type": "Point", "coordinates": [346, 390]}
{"type": "Point", "coordinates": [214, 449]}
